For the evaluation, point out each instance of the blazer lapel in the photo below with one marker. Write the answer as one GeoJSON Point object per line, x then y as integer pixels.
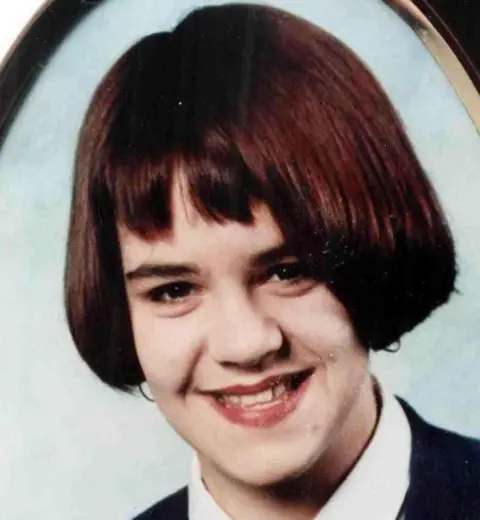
{"type": "Point", "coordinates": [435, 492]}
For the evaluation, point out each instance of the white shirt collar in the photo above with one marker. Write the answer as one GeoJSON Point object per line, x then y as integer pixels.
{"type": "Point", "coordinates": [374, 489]}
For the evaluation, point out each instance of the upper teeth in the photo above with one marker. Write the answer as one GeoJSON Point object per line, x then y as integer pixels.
{"type": "Point", "coordinates": [263, 397]}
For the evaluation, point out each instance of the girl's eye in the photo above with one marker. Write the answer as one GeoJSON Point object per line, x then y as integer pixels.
{"type": "Point", "coordinates": [170, 293]}
{"type": "Point", "coordinates": [287, 272]}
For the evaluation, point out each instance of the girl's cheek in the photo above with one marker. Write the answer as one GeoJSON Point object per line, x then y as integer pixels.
{"type": "Point", "coordinates": [167, 354]}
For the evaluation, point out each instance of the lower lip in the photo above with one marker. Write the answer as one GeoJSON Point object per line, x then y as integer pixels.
{"type": "Point", "coordinates": [264, 416]}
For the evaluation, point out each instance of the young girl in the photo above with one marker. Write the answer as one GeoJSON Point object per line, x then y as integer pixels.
{"type": "Point", "coordinates": [249, 221]}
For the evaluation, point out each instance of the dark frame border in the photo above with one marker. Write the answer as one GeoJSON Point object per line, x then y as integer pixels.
{"type": "Point", "coordinates": [32, 50]}
{"type": "Point", "coordinates": [459, 25]}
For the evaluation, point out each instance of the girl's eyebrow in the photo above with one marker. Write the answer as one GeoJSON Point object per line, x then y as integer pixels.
{"type": "Point", "coordinates": [271, 255]}
{"type": "Point", "coordinates": [161, 270]}
{"type": "Point", "coordinates": [156, 270]}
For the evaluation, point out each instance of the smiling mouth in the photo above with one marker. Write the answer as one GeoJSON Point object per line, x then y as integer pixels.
{"type": "Point", "coordinates": [264, 404]}
{"type": "Point", "coordinates": [276, 389]}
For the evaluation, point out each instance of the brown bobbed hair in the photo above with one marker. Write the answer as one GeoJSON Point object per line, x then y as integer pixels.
{"type": "Point", "coordinates": [250, 104]}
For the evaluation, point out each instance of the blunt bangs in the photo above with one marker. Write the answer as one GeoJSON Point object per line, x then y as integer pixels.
{"type": "Point", "coordinates": [248, 104]}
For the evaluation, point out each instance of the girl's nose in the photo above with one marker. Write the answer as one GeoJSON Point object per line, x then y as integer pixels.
{"type": "Point", "coordinates": [242, 334]}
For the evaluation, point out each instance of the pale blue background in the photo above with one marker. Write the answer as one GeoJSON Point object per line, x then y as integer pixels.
{"type": "Point", "coordinates": [70, 448]}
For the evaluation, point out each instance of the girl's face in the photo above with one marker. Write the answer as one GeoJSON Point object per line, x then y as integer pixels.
{"type": "Point", "coordinates": [252, 361]}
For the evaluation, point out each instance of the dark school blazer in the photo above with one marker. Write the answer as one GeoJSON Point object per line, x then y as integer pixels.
{"type": "Point", "coordinates": [444, 478]}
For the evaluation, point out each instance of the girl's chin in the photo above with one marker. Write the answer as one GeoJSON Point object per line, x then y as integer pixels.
{"type": "Point", "coordinates": [269, 471]}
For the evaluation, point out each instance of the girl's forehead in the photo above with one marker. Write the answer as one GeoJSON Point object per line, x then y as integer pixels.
{"type": "Point", "coordinates": [194, 239]}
